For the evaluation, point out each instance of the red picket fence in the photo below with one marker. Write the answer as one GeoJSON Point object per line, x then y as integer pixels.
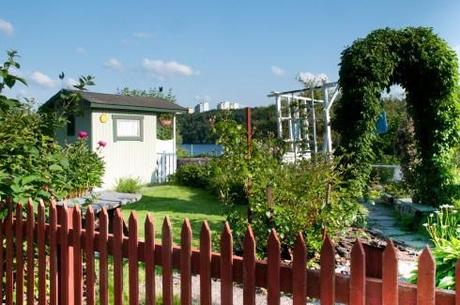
{"type": "Point", "coordinates": [55, 257]}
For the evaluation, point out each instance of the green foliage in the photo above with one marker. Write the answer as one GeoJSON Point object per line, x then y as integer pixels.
{"type": "Point", "coordinates": [197, 128]}
{"type": "Point", "coordinates": [85, 167]}
{"type": "Point", "coordinates": [152, 92]}
{"type": "Point", "coordinates": [305, 197]}
{"type": "Point", "coordinates": [384, 145]}
{"type": "Point", "coordinates": [406, 150]}
{"type": "Point", "coordinates": [128, 185]}
{"type": "Point", "coordinates": [427, 68]}
{"type": "Point", "coordinates": [33, 165]}
{"type": "Point", "coordinates": [193, 174]}
{"type": "Point", "coordinates": [444, 230]}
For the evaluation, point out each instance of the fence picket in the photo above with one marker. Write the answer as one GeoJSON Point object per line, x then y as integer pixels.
{"type": "Point", "coordinates": [271, 274]}
{"type": "Point", "coordinates": [132, 261]}
{"type": "Point", "coordinates": [19, 256]}
{"type": "Point", "coordinates": [273, 269]}
{"type": "Point", "coordinates": [103, 263]}
{"type": "Point", "coordinates": [327, 273]}
{"type": "Point", "coordinates": [390, 275]}
{"type": "Point", "coordinates": [89, 255]}
{"type": "Point", "coordinates": [77, 259]}
{"type": "Point", "coordinates": [186, 264]}
{"type": "Point", "coordinates": [30, 253]}
{"type": "Point", "coordinates": [357, 275]}
{"type": "Point", "coordinates": [226, 266]}
{"type": "Point", "coordinates": [64, 276]}
{"type": "Point", "coordinates": [118, 258]}
{"type": "Point", "coordinates": [53, 254]}
{"type": "Point", "coordinates": [41, 254]}
{"type": "Point", "coordinates": [9, 258]}
{"type": "Point", "coordinates": [149, 255]}
{"type": "Point", "coordinates": [2, 255]}
{"type": "Point", "coordinates": [426, 278]}
{"type": "Point", "coordinates": [457, 283]}
{"type": "Point", "coordinates": [166, 258]}
{"type": "Point", "coordinates": [299, 275]}
{"type": "Point", "coordinates": [205, 264]}
{"type": "Point", "coordinates": [249, 268]}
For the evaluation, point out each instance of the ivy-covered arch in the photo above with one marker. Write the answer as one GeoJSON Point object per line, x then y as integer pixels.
{"type": "Point", "coordinates": [422, 63]}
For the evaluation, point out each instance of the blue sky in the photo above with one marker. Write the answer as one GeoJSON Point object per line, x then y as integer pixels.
{"type": "Point", "coordinates": [213, 50]}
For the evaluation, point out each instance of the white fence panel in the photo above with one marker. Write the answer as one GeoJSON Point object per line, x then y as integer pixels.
{"type": "Point", "coordinates": [166, 166]}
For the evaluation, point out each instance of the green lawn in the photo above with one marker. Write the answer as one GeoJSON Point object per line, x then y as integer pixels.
{"type": "Point", "coordinates": [178, 202]}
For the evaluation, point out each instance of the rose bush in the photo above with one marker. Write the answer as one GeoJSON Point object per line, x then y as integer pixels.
{"type": "Point", "coordinates": [33, 165]}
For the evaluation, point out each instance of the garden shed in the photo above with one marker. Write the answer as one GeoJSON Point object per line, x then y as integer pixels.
{"type": "Point", "coordinates": [123, 129]}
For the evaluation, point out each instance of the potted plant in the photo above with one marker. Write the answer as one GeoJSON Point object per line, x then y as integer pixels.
{"type": "Point", "coordinates": [166, 119]}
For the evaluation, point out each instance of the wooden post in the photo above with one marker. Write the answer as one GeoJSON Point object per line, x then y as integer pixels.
{"type": "Point", "coordinates": [65, 256]}
{"type": "Point", "coordinates": [249, 142]}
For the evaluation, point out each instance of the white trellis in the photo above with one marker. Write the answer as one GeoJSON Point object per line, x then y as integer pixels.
{"type": "Point", "coordinates": [297, 121]}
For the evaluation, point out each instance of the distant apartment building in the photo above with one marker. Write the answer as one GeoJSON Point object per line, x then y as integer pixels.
{"type": "Point", "coordinates": [228, 106]}
{"type": "Point", "coordinates": [190, 110]}
{"type": "Point", "coordinates": [202, 107]}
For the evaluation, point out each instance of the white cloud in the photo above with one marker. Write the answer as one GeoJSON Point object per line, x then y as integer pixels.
{"type": "Point", "coordinates": [457, 49]}
{"type": "Point", "coordinates": [277, 71]}
{"type": "Point", "coordinates": [70, 83]}
{"type": "Point", "coordinates": [80, 50]}
{"type": "Point", "coordinates": [142, 35]}
{"type": "Point", "coordinates": [167, 68]}
{"type": "Point", "coordinates": [42, 80]}
{"type": "Point", "coordinates": [6, 27]}
{"type": "Point", "coordinates": [114, 64]}
{"type": "Point", "coordinates": [310, 79]}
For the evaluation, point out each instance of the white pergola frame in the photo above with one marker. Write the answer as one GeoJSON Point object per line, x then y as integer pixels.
{"type": "Point", "coordinates": [298, 122]}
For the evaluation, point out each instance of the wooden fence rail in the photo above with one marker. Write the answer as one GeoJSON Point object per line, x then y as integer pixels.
{"type": "Point", "coordinates": [50, 258]}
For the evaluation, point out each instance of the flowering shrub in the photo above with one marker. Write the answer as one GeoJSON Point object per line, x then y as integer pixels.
{"type": "Point", "coordinates": [443, 227]}
{"type": "Point", "coordinates": [85, 168]}
{"type": "Point", "coordinates": [33, 165]}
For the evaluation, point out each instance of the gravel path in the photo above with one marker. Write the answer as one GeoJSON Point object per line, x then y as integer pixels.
{"type": "Point", "coordinates": [261, 295]}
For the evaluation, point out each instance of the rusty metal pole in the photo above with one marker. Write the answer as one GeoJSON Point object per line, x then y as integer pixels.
{"type": "Point", "coordinates": [249, 140]}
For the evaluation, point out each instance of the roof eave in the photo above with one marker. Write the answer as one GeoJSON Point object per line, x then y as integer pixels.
{"type": "Point", "coordinates": [134, 108]}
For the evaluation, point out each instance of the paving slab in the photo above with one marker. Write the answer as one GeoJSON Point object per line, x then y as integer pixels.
{"type": "Point", "coordinates": [382, 220]}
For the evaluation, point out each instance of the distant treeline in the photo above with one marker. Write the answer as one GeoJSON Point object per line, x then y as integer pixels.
{"type": "Point", "coordinates": [196, 128]}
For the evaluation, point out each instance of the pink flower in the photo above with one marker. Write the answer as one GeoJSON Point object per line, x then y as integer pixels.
{"type": "Point", "coordinates": [82, 135]}
{"type": "Point", "coordinates": [102, 143]}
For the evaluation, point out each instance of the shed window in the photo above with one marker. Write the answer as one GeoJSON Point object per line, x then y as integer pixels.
{"type": "Point", "coordinates": [71, 125]}
{"type": "Point", "coordinates": [128, 128]}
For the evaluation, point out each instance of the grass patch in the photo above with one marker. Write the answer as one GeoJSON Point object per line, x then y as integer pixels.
{"type": "Point", "coordinates": [178, 202]}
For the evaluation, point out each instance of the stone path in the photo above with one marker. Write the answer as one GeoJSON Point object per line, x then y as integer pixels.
{"type": "Point", "coordinates": [104, 199]}
{"type": "Point", "coordinates": [382, 221]}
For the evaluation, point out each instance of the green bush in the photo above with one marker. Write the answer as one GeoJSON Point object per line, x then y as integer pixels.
{"type": "Point", "coordinates": [33, 165]}
{"type": "Point", "coordinates": [305, 197]}
{"type": "Point", "coordinates": [128, 185]}
{"type": "Point", "coordinates": [192, 174]}
{"type": "Point", "coordinates": [443, 228]}
{"type": "Point", "coordinates": [85, 167]}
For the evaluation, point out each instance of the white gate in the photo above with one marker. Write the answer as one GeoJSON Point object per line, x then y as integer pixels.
{"type": "Point", "coordinates": [166, 166]}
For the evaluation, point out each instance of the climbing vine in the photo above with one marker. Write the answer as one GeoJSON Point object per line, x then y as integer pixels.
{"type": "Point", "coordinates": [423, 64]}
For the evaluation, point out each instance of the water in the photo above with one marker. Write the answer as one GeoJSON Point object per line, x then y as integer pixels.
{"type": "Point", "coordinates": [203, 149]}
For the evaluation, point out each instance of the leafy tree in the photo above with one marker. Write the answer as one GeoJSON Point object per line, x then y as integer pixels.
{"type": "Point", "coordinates": [152, 92]}
{"type": "Point", "coordinates": [196, 128]}
{"type": "Point", "coordinates": [163, 133]}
